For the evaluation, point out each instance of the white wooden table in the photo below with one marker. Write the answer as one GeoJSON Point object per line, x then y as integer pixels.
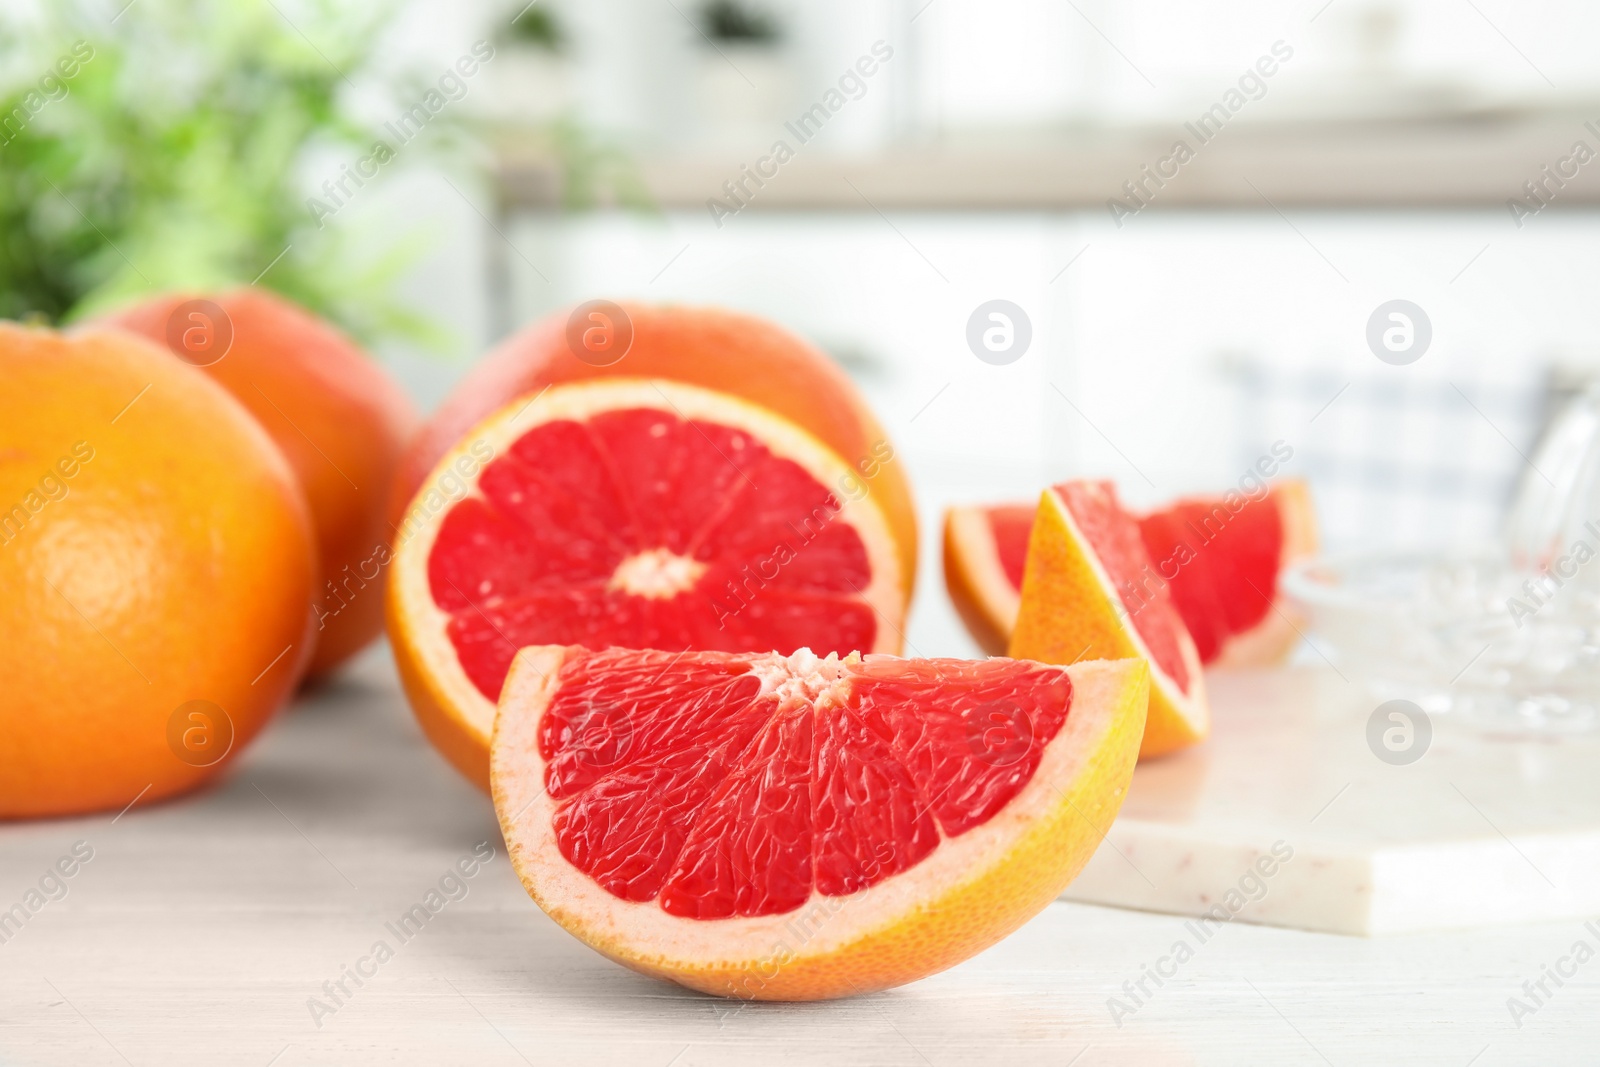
{"type": "Point", "coordinates": [200, 929]}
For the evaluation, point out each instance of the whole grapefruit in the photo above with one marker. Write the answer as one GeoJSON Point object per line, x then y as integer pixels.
{"type": "Point", "coordinates": [158, 565]}
{"type": "Point", "coordinates": [748, 357]}
{"type": "Point", "coordinates": [342, 422]}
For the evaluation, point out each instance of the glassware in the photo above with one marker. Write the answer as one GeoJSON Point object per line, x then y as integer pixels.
{"type": "Point", "coordinates": [1442, 632]}
{"type": "Point", "coordinates": [1507, 636]}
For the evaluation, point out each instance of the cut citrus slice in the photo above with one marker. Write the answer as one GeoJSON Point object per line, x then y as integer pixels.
{"type": "Point", "coordinates": [985, 549]}
{"type": "Point", "coordinates": [713, 348]}
{"type": "Point", "coordinates": [1088, 593]}
{"type": "Point", "coordinates": [638, 513]}
{"type": "Point", "coordinates": [795, 827]}
{"type": "Point", "coordinates": [1220, 557]}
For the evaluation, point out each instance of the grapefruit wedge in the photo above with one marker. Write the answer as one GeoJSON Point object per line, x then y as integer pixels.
{"type": "Point", "coordinates": [800, 827]}
{"type": "Point", "coordinates": [1087, 595]}
{"type": "Point", "coordinates": [642, 513]}
{"type": "Point", "coordinates": [985, 549]}
{"type": "Point", "coordinates": [1220, 556]}
{"type": "Point", "coordinates": [1224, 555]}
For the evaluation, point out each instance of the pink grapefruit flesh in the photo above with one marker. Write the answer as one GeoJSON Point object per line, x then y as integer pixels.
{"type": "Point", "coordinates": [1087, 594]}
{"type": "Point", "coordinates": [638, 528]}
{"type": "Point", "coordinates": [679, 811]}
{"type": "Point", "coordinates": [650, 515]}
{"type": "Point", "coordinates": [1219, 556]}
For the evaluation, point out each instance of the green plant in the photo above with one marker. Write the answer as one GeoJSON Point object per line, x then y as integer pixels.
{"type": "Point", "coordinates": [729, 20]}
{"type": "Point", "coordinates": [594, 172]}
{"type": "Point", "coordinates": [175, 157]}
{"type": "Point", "coordinates": [536, 26]}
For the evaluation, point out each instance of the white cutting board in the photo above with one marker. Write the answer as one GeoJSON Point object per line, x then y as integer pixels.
{"type": "Point", "coordinates": [1480, 830]}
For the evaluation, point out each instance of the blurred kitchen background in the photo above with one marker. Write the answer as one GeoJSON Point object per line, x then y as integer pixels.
{"type": "Point", "coordinates": [1387, 155]}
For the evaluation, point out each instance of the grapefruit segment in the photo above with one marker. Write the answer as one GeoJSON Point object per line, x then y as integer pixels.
{"type": "Point", "coordinates": [1220, 557]}
{"type": "Point", "coordinates": [1225, 555]}
{"type": "Point", "coordinates": [800, 827]}
{"type": "Point", "coordinates": [1086, 595]}
{"type": "Point", "coordinates": [641, 514]}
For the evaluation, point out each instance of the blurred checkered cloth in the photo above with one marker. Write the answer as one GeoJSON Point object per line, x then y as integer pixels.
{"type": "Point", "coordinates": [1396, 457]}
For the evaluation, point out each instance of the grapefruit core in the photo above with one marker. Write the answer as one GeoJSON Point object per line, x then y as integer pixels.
{"type": "Point", "coordinates": [749, 357]}
{"type": "Point", "coordinates": [801, 827]}
{"type": "Point", "coordinates": [1220, 557]}
{"type": "Point", "coordinates": [638, 513]}
{"type": "Point", "coordinates": [1081, 600]}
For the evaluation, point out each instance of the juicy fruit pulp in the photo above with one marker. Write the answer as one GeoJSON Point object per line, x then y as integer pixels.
{"type": "Point", "coordinates": [1011, 524]}
{"type": "Point", "coordinates": [1089, 591]}
{"type": "Point", "coordinates": [709, 348]}
{"type": "Point", "coordinates": [722, 786]}
{"type": "Point", "coordinates": [1224, 565]}
{"type": "Point", "coordinates": [641, 513]}
{"type": "Point", "coordinates": [1219, 557]}
{"type": "Point", "coordinates": [795, 828]}
{"type": "Point", "coordinates": [642, 529]}
{"type": "Point", "coordinates": [1115, 541]}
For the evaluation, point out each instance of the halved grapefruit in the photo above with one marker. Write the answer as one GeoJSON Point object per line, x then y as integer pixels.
{"type": "Point", "coordinates": [1086, 595]}
{"type": "Point", "coordinates": [1220, 556]}
{"type": "Point", "coordinates": [801, 827]}
{"type": "Point", "coordinates": [638, 513]}
{"type": "Point", "coordinates": [728, 351]}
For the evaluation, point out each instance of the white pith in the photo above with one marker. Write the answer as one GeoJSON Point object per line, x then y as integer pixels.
{"type": "Point", "coordinates": [823, 924]}
{"type": "Point", "coordinates": [580, 401]}
{"type": "Point", "coordinates": [656, 573]}
{"type": "Point", "coordinates": [806, 678]}
{"type": "Point", "coordinates": [1191, 705]}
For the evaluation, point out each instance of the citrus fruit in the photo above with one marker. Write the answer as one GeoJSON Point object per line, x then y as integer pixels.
{"type": "Point", "coordinates": [1088, 592]}
{"type": "Point", "coordinates": [158, 567]}
{"type": "Point", "coordinates": [984, 552]}
{"type": "Point", "coordinates": [800, 827]}
{"type": "Point", "coordinates": [341, 421]}
{"type": "Point", "coordinates": [1220, 556]}
{"type": "Point", "coordinates": [723, 350]}
{"type": "Point", "coordinates": [646, 514]}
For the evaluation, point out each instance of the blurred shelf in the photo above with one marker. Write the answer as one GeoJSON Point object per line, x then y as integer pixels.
{"type": "Point", "coordinates": [1475, 161]}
